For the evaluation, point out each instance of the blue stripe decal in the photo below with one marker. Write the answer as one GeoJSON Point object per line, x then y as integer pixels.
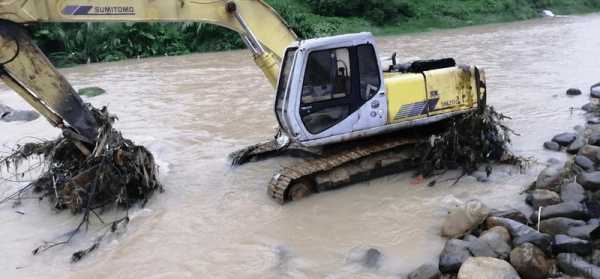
{"type": "Point", "coordinates": [83, 10]}
{"type": "Point", "coordinates": [69, 10]}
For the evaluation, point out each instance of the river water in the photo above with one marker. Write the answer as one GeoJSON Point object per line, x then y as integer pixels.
{"type": "Point", "coordinates": [217, 222]}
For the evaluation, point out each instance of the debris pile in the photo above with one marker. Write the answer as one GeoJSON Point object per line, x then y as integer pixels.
{"type": "Point", "coordinates": [86, 178]}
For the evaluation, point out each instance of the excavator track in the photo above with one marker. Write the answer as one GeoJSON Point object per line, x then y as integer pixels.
{"type": "Point", "coordinates": [363, 162]}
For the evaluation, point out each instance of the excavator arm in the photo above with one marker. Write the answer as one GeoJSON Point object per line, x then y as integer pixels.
{"type": "Point", "coordinates": [25, 69]}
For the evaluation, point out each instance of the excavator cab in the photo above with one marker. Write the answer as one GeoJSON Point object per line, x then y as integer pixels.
{"type": "Point", "coordinates": [329, 88]}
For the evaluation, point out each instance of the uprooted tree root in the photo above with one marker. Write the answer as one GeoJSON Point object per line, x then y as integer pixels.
{"type": "Point", "coordinates": [87, 179]}
{"type": "Point", "coordinates": [470, 141]}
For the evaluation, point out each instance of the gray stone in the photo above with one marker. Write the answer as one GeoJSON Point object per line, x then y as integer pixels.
{"type": "Point", "coordinates": [549, 178]}
{"type": "Point", "coordinates": [566, 244]}
{"type": "Point", "coordinates": [426, 271]}
{"type": "Point", "coordinates": [564, 139]}
{"type": "Point", "coordinates": [522, 233]}
{"type": "Point", "coordinates": [553, 146]}
{"type": "Point", "coordinates": [464, 218]}
{"type": "Point", "coordinates": [487, 268]}
{"type": "Point", "coordinates": [591, 152]}
{"type": "Point", "coordinates": [479, 248]}
{"type": "Point", "coordinates": [368, 257]}
{"type": "Point", "coordinates": [590, 181]}
{"type": "Point", "coordinates": [573, 92]}
{"type": "Point", "coordinates": [594, 258]}
{"type": "Point", "coordinates": [7, 114]}
{"type": "Point", "coordinates": [594, 139]}
{"type": "Point", "coordinates": [574, 265]}
{"type": "Point", "coordinates": [595, 91]}
{"type": "Point", "coordinates": [584, 162]}
{"type": "Point", "coordinates": [498, 239]}
{"type": "Point", "coordinates": [571, 210]}
{"type": "Point", "coordinates": [530, 262]}
{"type": "Point", "coordinates": [572, 192]}
{"type": "Point", "coordinates": [513, 214]}
{"type": "Point", "coordinates": [454, 254]}
{"type": "Point", "coordinates": [593, 120]}
{"type": "Point", "coordinates": [589, 107]}
{"type": "Point", "coordinates": [582, 232]}
{"type": "Point", "coordinates": [542, 197]}
{"type": "Point", "coordinates": [576, 145]}
{"type": "Point", "coordinates": [560, 225]}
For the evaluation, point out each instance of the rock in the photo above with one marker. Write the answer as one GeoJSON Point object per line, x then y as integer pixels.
{"type": "Point", "coordinates": [593, 120]}
{"type": "Point", "coordinates": [572, 192]}
{"type": "Point", "coordinates": [554, 161]}
{"type": "Point", "coordinates": [501, 232]}
{"type": "Point", "coordinates": [573, 92]}
{"type": "Point", "coordinates": [542, 197]}
{"type": "Point", "coordinates": [560, 225]}
{"type": "Point", "coordinates": [7, 114]}
{"type": "Point", "coordinates": [574, 265]}
{"type": "Point", "coordinates": [576, 145]}
{"type": "Point", "coordinates": [571, 210]}
{"type": "Point", "coordinates": [589, 107]}
{"type": "Point", "coordinates": [582, 232]}
{"type": "Point", "coordinates": [594, 258]}
{"type": "Point", "coordinates": [498, 239]}
{"type": "Point", "coordinates": [595, 91]}
{"type": "Point", "coordinates": [369, 258]}
{"type": "Point", "coordinates": [566, 244]}
{"type": "Point", "coordinates": [584, 162]}
{"type": "Point", "coordinates": [426, 271]}
{"type": "Point", "coordinates": [530, 262]}
{"type": "Point", "coordinates": [522, 233]}
{"type": "Point", "coordinates": [479, 248]}
{"type": "Point", "coordinates": [548, 178]}
{"type": "Point", "coordinates": [454, 254]}
{"type": "Point", "coordinates": [553, 146]}
{"type": "Point", "coordinates": [591, 152]}
{"type": "Point", "coordinates": [91, 91]}
{"type": "Point", "coordinates": [564, 139]}
{"type": "Point", "coordinates": [487, 268]}
{"type": "Point", "coordinates": [589, 180]}
{"type": "Point", "coordinates": [513, 214]}
{"type": "Point", "coordinates": [594, 139]}
{"type": "Point", "coordinates": [464, 218]}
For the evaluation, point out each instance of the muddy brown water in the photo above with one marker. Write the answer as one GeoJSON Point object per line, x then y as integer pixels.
{"type": "Point", "coordinates": [217, 222]}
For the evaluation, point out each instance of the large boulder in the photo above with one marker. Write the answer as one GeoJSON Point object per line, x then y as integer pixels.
{"type": "Point", "coordinates": [571, 210]}
{"type": "Point", "coordinates": [542, 197]}
{"type": "Point", "coordinates": [487, 268]}
{"type": "Point", "coordinates": [591, 152]}
{"type": "Point", "coordinates": [530, 262]}
{"type": "Point", "coordinates": [513, 214]}
{"type": "Point", "coordinates": [499, 231]}
{"type": "Point", "coordinates": [564, 139]}
{"type": "Point", "coordinates": [574, 265]}
{"type": "Point", "coordinates": [594, 138]}
{"type": "Point", "coordinates": [479, 248]}
{"type": "Point", "coordinates": [463, 218]}
{"type": "Point", "coordinates": [589, 107]}
{"type": "Point", "coordinates": [576, 145]}
{"type": "Point", "coordinates": [572, 192]}
{"type": "Point", "coordinates": [7, 114]}
{"type": "Point", "coordinates": [589, 180]}
{"type": "Point", "coordinates": [566, 244]}
{"type": "Point", "coordinates": [595, 91]}
{"type": "Point", "coordinates": [584, 163]}
{"type": "Point", "coordinates": [573, 92]}
{"type": "Point", "coordinates": [498, 240]}
{"type": "Point", "coordinates": [549, 178]}
{"type": "Point", "coordinates": [426, 271]}
{"type": "Point", "coordinates": [559, 225]}
{"type": "Point", "coordinates": [454, 254]}
{"type": "Point", "coordinates": [582, 232]}
{"type": "Point", "coordinates": [522, 233]}
{"type": "Point", "coordinates": [553, 146]}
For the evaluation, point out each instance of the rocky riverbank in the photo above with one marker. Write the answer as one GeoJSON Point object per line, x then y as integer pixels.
{"type": "Point", "coordinates": [560, 239]}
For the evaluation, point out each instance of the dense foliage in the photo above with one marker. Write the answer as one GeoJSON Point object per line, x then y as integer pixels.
{"type": "Point", "coordinates": [76, 43]}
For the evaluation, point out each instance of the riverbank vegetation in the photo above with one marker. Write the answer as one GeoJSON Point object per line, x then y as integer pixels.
{"type": "Point", "coordinates": [77, 43]}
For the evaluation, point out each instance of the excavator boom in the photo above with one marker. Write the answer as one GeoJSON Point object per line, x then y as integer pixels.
{"type": "Point", "coordinates": [25, 69]}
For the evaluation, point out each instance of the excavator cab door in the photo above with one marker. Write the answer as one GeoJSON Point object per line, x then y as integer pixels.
{"type": "Point", "coordinates": [335, 89]}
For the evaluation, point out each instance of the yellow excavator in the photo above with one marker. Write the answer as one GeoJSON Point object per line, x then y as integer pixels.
{"type": "Point", "coordinates": [331, 91]}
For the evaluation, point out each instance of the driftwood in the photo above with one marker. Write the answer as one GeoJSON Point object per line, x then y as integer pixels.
{"type": "Point", "coordinates": [86, 178]}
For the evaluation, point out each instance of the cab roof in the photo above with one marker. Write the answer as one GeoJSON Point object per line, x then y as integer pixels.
{"type": "Point", "coordinates": [348, 39]}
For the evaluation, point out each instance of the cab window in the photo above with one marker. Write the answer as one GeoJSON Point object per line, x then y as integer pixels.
{"type": "Point", "coordinates": [370, 80]}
